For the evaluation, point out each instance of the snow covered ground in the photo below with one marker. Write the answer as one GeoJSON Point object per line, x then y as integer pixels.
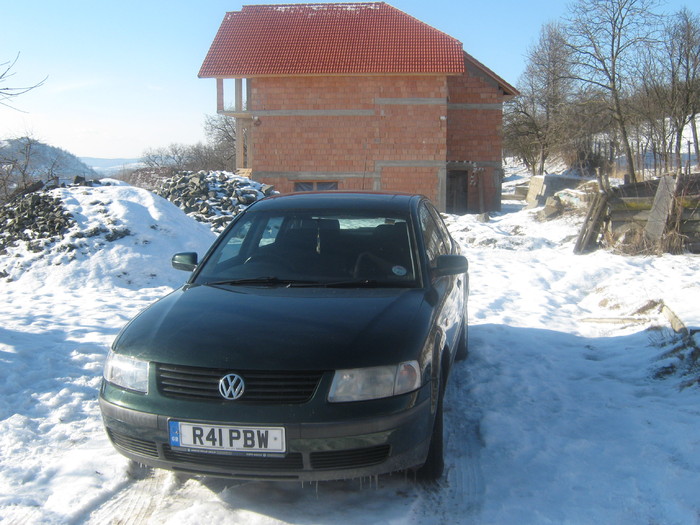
{"type": "Point", "coordinates": [556, 417]}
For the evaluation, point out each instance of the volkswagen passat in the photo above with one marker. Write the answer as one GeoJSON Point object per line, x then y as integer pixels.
{"type": "Point", "coordinates": [312, 342]}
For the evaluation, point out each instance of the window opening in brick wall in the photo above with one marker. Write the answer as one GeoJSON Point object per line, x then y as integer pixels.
{"type": "Point", "coordinates": [315, 186]}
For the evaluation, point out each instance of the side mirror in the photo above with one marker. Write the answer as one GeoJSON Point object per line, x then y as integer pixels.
{"type": "Point", "coordinates": [450, 265]}
{"type": "Point", "coordinates": [186, 261]}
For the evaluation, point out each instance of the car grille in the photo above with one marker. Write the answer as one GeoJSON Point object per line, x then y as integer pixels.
{"type": "Point", "coordinates": [266, 387]}
{"type": "Point", "coordinates": [292, 461]}
{"type": "Point", "coordinates": [361, 457]}
{"type": "Point", "coordinates": [132, 444]}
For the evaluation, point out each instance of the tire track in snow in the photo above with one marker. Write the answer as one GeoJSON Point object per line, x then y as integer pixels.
{"type": "Point", "coordinates": [458, 496]}
{"type": "Point", "coordinates": [465, 481]}
{"type": "Point", "coordinates": [137, 500]}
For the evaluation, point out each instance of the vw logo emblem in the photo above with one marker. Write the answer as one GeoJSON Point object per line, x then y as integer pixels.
{"type": "Point", "coordinates": [231, 386]}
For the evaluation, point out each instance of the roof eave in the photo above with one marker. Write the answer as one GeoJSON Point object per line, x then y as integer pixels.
{"type": "Point", "coordinates": [335, 74]}
{"type": "Point", "coordinates": [508, 90]}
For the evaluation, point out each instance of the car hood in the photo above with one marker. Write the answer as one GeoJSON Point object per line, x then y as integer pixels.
{"type": "Point", "coordinates": [272, 328]}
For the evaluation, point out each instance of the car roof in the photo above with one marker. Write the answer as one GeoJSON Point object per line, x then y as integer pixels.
{"type": "Point", "coordinates": [341, 200]}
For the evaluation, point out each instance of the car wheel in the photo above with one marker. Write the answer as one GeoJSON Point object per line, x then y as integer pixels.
{"type": "Point", "coordinates": [463, 342]}
{"type": "Point", "coordinates": [434, 464]}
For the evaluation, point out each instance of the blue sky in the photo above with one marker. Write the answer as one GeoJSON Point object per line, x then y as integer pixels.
{"type": "Point", "coordinates": [122, 75]}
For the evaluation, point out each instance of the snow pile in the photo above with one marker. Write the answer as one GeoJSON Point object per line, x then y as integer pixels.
{"type": "Point", "coordinates": [558, 415]}
{"type": "Point", "coordinates": [118, 236]}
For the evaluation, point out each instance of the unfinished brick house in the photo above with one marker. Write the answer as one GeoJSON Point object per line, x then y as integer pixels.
{"type": "Point", "coordinates": [359, 96]}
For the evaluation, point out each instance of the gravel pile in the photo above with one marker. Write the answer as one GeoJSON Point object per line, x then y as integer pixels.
{"type": "Point", "coordinates": [36, 218]}
{"type": "Point", "coordinates": [213, 197]}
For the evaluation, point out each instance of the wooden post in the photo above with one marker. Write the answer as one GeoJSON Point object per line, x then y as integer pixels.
{"type": "Point", "coordinates": [591, 225]}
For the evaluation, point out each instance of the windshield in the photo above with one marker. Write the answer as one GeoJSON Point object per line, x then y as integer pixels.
{"type": "Point", "coordinates": [304, 249]}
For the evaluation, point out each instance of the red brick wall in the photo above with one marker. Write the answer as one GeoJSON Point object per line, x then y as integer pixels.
{"type": "Point", "coordinates": [346, 143]}
{"type": "Point", "coordinates": [474, 134]}
{"type": "Point", "coordinates": [399, 146]}
{"type": "Point", "coordinates": [339, 92]}
{"type": "Point", "coordinates": [413, 180]}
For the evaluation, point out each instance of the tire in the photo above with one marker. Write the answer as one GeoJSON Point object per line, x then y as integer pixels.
{"type": "Point", "coordinates": [434, 465]}
{"type": "Point", "coordinates": [463, 342]}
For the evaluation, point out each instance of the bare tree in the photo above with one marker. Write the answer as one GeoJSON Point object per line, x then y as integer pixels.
{"type": "Point", "coordinates": [588, 138]}
{"type": "Point", "coordinates": [7, 93]}
{"type": "Point", "coordinates": [210, 157]}
{"type": "Point", "coordinates": [221, 134]}
{"type": "Point", "coordinates": [650, 104]}
{"type": "Point", "coordinates": [521, 136]}
{"type": "Point", "coordinates": [667, 101]}
{"type": "Point", "coordinates": [218, 154]}
{"type": "Point", "coordinates": [606, 38]}
{"type": "Point", "coordinates": [220, 129]}
{"type": "Point", "coordinates": [534, 118]}
{"type": "Point", "coordinates": [682, 44]}
{"type": "Point", "coordinates": [16, 173]}
{"type": "Point", "coordinates": [156, 158]}
{"type": "Point", "coordinates": [176, 157]}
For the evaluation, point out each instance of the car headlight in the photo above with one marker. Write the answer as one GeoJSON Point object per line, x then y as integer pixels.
{"type": "Point", "coordinates": [361, 384]}
{"type": "Point", "coordinates": [126, 372]}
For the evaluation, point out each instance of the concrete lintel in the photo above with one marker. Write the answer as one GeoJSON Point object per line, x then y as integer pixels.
{"type": "Point", "coordinates": [411, 101]}
{"type": "Point", "coordinates": [314, 175]}
{"type": "Point", "coordinates": [313, 113]}
{"type": "Point", "coordinates": [492, 107]}
{"type": "Point", "coordinates": [467, 165]}
{"type": "Point", "coordinates": [409, 164]}
{"type": "Point", "coordinates": [236, 114]}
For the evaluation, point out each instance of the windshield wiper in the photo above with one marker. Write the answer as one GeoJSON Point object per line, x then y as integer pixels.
{"type": "Point", "coordinates": [354, 283]}
{"type": "Point", "coordinates": [270, 281]}
{"type": "Point", "coordinates": [298, 283]}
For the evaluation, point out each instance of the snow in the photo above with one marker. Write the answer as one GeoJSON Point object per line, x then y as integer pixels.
{"type": "Point", "coordinates": [556, 417]}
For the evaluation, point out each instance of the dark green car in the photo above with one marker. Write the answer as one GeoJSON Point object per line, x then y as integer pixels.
{"type": "Point", "coordinates": [312, 342]}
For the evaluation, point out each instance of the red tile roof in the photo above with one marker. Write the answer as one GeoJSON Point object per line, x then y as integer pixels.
{"type": "Point", "coordinates": [339, 38]}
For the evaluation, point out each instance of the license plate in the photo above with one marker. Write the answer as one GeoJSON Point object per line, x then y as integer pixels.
{"type": "Point", "coordinates": [225, 439]}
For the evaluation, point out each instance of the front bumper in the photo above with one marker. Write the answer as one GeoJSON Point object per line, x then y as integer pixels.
{"type": "Point", "coordinates": [315, 451]}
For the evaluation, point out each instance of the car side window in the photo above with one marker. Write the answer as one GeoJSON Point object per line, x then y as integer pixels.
{"type": "Point", "coordinates": [233, 245]}
{"type": "Point", "coordinates": [272, 228]}
{"type": "Point", "coordinates": [444, 233]}
{"type": "Point", "coordinates": [266, 234]}
{"type": "Point", "coordinates": [434, 243]}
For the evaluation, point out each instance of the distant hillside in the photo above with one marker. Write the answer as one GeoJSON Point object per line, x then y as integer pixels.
{"type": "Point", "coordinates": [110, 167]}
{"type": "Point", "coordinates": [41, 161]}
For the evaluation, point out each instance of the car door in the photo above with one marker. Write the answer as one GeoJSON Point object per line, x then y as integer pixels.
{"type": "Point", "coordinates": [449, 289]}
